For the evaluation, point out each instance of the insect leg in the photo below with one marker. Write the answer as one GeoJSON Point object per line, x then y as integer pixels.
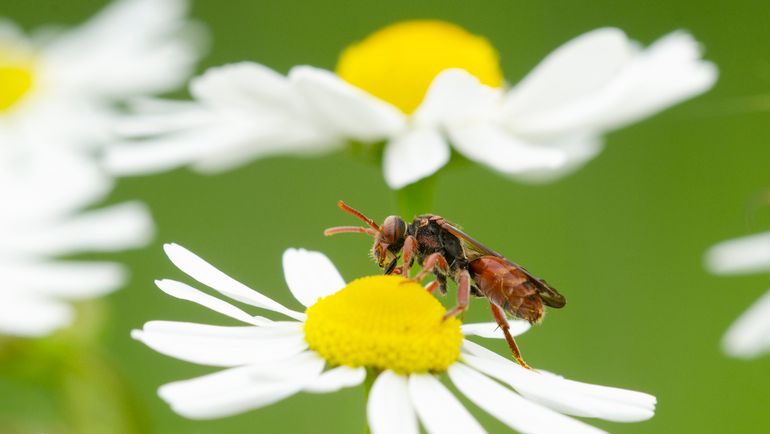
{"type": "Point", "coordinates": [499, 315]}
{"type": "Point", "coordinates": [463, 294]}
{"type": "Point", "coordinates": [409, 249]}
{"type": "Point", "coordinates": [435, 259]}
{"type": "Point", "coordinates": [431, 287]}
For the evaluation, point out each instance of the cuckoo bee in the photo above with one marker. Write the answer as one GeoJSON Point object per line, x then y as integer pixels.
{"type": "Point", "coordinates": [449, 253]}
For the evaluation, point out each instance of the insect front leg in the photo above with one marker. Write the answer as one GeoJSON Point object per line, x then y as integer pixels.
{"type": "Point", "coordinates": [499, 315]}
{"type": "Point", "coordinates": [409, 249]}
{"type": "Point", "coordinates": [463, 295]}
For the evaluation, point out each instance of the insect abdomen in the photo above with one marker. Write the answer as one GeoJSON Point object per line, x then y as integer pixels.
{"type": "Point", "coordinates": [507, 287]}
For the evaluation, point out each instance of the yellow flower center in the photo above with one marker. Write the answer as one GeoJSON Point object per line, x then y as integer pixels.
{"type": "Point", "coordinates": [15, 77]}
{"type": "Point", "coordinates": [398, 62]}
{"type": "Point", "coordinates": [380, 322]}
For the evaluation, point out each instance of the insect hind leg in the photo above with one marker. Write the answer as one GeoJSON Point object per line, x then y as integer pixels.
{"type": "Point", "coordinates": [499, 315]}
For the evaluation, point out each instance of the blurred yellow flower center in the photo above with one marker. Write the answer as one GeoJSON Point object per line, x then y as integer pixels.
{"type": "Point", "coordinates": [378, 322]}
{"type": "Point", "coordinates": [398, 62]}
{"type": "Point", "coordinates": [15, 78]}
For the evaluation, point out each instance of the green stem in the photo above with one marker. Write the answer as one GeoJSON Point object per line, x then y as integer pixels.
{"type": "Point", "coordinates": [417, 198]}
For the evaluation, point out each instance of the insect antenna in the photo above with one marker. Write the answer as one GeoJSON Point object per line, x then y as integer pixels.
{"type": "Point", "coordinates": [349, 229]}
{"type": "Point", "coordinates": [358, 214]}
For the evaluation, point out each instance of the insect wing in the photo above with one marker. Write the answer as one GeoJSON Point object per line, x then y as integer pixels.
{"type": "Point", "coordinates": [550, 296]}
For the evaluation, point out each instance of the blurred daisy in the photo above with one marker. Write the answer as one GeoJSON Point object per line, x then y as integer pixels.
{"type": "Point", "coordinates": [377, 323]}
{"type": "Point", "coordinates": [60, 88]}
{"type": "Point", "coordinates": [42, 198]}
{"type": "Point", "coordinates": [419, 86]}
{"type": "Point", "coordinates": [749, 336]}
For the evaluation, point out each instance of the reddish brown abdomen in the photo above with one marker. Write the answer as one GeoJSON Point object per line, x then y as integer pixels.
{"type": "Point", "coordinates": [507, 287]}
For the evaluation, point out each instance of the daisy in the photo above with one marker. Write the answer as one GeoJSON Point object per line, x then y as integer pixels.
{"type": "Point", "coordinates": [385, 325]}
{"type": "Point", "coordinates": [749, 336]}
{"type": "Point", "coordinates": [60, 88]}
{"type": "Point", "coordinates": [42, 199]}
{"type": "Point", "coordinates": [419, 86]}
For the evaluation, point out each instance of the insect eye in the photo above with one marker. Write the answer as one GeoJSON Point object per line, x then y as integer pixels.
{"type": "Point", "coordinates": [393, 229]}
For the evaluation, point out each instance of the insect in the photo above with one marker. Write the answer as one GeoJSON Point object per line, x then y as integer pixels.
{"type": "Point", "coordinates": [448, 252]}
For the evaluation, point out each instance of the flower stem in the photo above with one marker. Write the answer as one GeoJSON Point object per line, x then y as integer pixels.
{"type": "Point", "coordinates": [417, 198]}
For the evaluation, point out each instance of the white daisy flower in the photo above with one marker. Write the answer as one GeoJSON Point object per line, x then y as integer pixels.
{"type": "Point", "coordinates": [382, 324]}
{"type": "Point", "coordinates": [749, 336]}
{"type": "Point", "coordinates": [60, 88]}
{"type": "Point", "coordinates": [42, 198]}
{"type": "Point", "coordinates": [419, 86]}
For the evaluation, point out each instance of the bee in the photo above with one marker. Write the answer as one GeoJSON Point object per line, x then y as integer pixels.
{"type": "Point", "coordinates": [447, 252]}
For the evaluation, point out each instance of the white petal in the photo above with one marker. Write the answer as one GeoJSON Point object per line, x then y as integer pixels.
{"type": "Point", "coordinates": [237, 390]}
{"type": "Point", "coordinates": [492, 145]}
{"type": "Point", "coordinates": [48, 184]}
{"type": "Point", "coordinates": [578, 149]}
{"type": "Point", "coordinates": [439, 411]}
{"type": "Point", "coordinates": [389, 410]}
{"type": "Point", "coordinates": [624, 90]}
{"type": "Point", "coordinates": [32, 317]}
{"type": "Point", "coordinates": [668, 72]}
{"type": "Point", "coordinates": [310, 275]}
{"type": "Point", "coordinates": [114, 228]}
{"type": "Point", "coordinates": [492, 330]}
{"type": "Point", "coordinates": [456, 96]}
{"type": "Point", "coordinates": [511, 409]}
{"type": "Point", "coordinates": [336, 379]}
{"type": "Point", "coordinates": [130, 47]}
{"type": "Point", "coordinates": [576, 69]}
{"type": "Point", "coordinates": [414, 155]}
{"type": "Point", "coordinates": [222, 346]}
{"type": "Point", "coordinates": [347, 109]}
{"type": "Point", "coordinates": [205, 273]}
{"type": "Point", "coordinates": [62, 279]}
{"type": "Point", "coordinates": [186, 292]}
{"type": "Point", "coordinates": [246, 85]}
{"type": "Point", "coordinates": [750, 254]}
{"type": "Point", "coordinates": [749, 335]}
{"type": "Point", "coordinates": [564, 396]}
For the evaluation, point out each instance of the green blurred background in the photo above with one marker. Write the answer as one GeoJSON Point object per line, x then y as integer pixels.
{"type": "Point", "coordinates": [623, 238]}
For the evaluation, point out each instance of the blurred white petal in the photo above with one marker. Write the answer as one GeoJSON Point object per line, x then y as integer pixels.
{"type": "Point", "coordinates": [349, 110]}
{"type": "Point", "coordinates": [456, 96]}
{"type": "Point", "coordinates": [32, 316]}
{"type": "Point", "coordinates": [61, 279]}
{"type": "Point", "coordinates": [310, 275]}
{"type": "Point", "coordinates": [492, 145]}
{"type": "Point", "coordinates": [602, 81]}
{"type": "Point", "coordinates": [131, 47]}
{"type": "Point", "coordinates": [113, 228]}
{"type": "Point", "coordinates": [749, 335]}
{"type": "Point", "coordinates": [389, 409]}
{"type": "Point", "coordinates": [413, 156]}
{"type": "Point", "coordinates": [749, 254]}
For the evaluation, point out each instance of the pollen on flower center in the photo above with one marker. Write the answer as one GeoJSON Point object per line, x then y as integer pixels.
{"type": "Point", "coordinates": [398, 62]}
{"type": "Point", "coordinates": [15, 78]}
{"type": "Point", "coordinates": [382, 323]}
